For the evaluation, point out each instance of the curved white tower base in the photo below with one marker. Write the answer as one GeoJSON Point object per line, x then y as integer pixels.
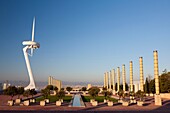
{"type": "Point", "coordinates": [32, 83]}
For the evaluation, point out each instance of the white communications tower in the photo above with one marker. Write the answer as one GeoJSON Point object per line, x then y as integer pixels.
{"type": "Point", "coordinates": [30, 45]}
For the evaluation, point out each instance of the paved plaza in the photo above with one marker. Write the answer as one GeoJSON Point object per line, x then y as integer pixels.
{"type": "Point", "coordinates": [149, 107]}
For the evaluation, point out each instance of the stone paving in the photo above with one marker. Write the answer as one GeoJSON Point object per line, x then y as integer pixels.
{"type": "Point", "coordinates": [149, 107]}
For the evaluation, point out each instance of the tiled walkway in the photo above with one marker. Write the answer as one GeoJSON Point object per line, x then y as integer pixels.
{"type": "Point", "coordinates": [149, 107]}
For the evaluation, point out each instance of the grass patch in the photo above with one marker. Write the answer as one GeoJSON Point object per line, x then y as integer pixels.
{"type": "Point", "coordinates": [98, 98]}
{"type": "Point", "coordinates": [54, 98]}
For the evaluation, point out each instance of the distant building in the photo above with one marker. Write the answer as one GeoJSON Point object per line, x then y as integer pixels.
{"type": "Point", "coordinates": [136, 86]}
{"type": "Point", "coordinates": [54, 82]}
{"type": "Point", "coordinates": [89, 86]}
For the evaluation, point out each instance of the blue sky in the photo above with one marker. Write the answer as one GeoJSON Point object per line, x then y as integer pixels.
{"type": "Point", "coordinates": [82, 39]}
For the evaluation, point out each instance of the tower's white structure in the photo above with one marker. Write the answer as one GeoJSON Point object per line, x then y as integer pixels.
{"type": "Point", "coordinates": [30, 45]}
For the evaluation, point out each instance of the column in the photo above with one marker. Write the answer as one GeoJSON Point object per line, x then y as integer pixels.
{"type": "Point", "coordinates": [158, 100]}
{"type": "Point", "coordinates": [113, 79]}
{"type": "Point", "coordinates": [104, 80]}
{"type": "Point", "coordinates": [124, 77]}
{"type": "Point", "coordinates": [141, 73]}
{"type": "Point", "coordinates": [111, 82]}
{"type": "Point", "coordinates": [107, 82]}
{"type": "Point", "coordinates": [131, 76]}
{"type": "Point", "coordinates": [118, 79]}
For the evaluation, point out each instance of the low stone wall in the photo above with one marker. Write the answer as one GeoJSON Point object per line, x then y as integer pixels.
{"type": "Point", "coordinates": [165, 95]}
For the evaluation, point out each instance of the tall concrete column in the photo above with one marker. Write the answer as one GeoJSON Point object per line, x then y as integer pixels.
{"type": "Point", "coordinates": [104, 80]}
{"type": "Point", "coordinates": [156, 74]}
{"type": "Point", "coordinates": [113, 80]}
{"type": "Point", "coordinates": [131, 76]}
{"type": "Point", "coordinates": [124, 77]}
{"type": "Point", "coordinates": [141, 73]}
{"type": "Point", "coordinates": [118, 79]}
{"type": "Point", "coordinates": [107, 82]}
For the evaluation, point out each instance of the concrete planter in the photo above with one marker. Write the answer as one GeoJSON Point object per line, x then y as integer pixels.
{"type": "Point", "coordinates": [92, 100]}
{"type": "Point", "coordinates": [110, 103]}
{"type": "Point", "coordinates": [151, 94]}
{"type": "Point", "coordinates": [42, 103]}
{"type": "Point", "coordinates": [26, 103]}
{"type": "Point", "coordinates": [105, 100]}
{"type": "Point", "coordinates": [84, 93]}
{"type": "Point", "coordinates": [140, 103]}
{"type": "Point", "coordinates": [17, 101]}
{"type": "Point", "coordinates": [32, 100]}
{"type": "Point", "coordinates": [94, 103]}
{"type": "Point", "coordinates": [125, 103]}
{"type": "Point", "coordinates": [58, 103]}
{"type": "Point", "coordinates": [132, 101]}
{"type": "Point", "coordinates": [10, 102]}
{"type": "Point", "coordinates": [47, 100]}
{"type": "Point", "coordinates": [120, 101]}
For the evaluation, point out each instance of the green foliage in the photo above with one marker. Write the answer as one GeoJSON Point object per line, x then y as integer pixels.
{"type": "Point", "coordinates": [54, 98]}
{"type": "Point", "coordinates": [20, 91]}
{"type": "Point", "coordinates": [104, 88]}
{"type": "Point", "coordinates": [33, 92]}
{"type": "Point", "coordinates": [49, 87]}
{"type": "Point", "coordinates": [26, 93]}
{"type": "Point", "coordinates": [116, 86]}
{"type": "Point", "coordinates": [140, 94]}
{"type": "Point", "coordinates": [147, 86]}
{"type": "Point", "coordinates": [106, 94]}
{"type": "Point", "coordinates": [62, 89]}
{"type": "Point", "coordinates": [152, 86]}
{"type": "Point", "coordinates": [11, 91]}
{"type": "Point", "coordinates": [126, 87]}
{"type": "Point", "coordinates": [165, 82]}
{"type": "Point", "coordinates": [131, 93]}
{"type": "Point", "coordinates": [121, 94]}
{"type": "Point", "coordinates": [45, 92]}
{"type": "Point", "coordinates": [60, 94]}
{"type": "Point", "coordinates": [56, 88]}
{"type": "Point", "coordinates": [69, 89]}
{"type": "Point", "coordinates": [93, 91]}
{"type": "Point", "coordinates": [83, 88]}
{"type": "Point", "coordinates": [97, 98]}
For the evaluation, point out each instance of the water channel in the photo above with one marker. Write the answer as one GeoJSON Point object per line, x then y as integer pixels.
{"type": "Point", "coordinates": [77, 101]}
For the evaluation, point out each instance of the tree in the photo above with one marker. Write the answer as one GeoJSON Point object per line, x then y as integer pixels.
{"type": "Point", "coordinates": [140, 94]}
{"type": "Point", "coordinates": [56, 89]}
{"type": "Point", "coordinates": [69, 89]}
{"type": "Point", "coordinates": [11, 91]}
{"type": "Point", "coordinates": [106, 94]}
{"type": "Point", "coordinates": [33, 92]}
{"type": "Point", "coordinates": [62, 89]}
{"type": "Point", "coordinates": [146, 86]}
{"type": "Point", "coordinates": [152, 86]}
{"type": "Point", "coordinates": [50, 87]}
{"type": "Point", "coordinates": [116, 86]}
{"type": "Point", "coordinates": [121, 94]}
{"type": "Point", "coordinates": [93, 91]}
{"type": "Point", "coordinates": [45, 92]}
{"type": "Point", "coordinates": [164, 82]}
{"type": "Point", "coordinates": [60, 94]}
{"type": "Point", "coordinates": [26, 93]}
{"type": "Point", "coordinates": [20, 91]}
{"type": "Point", "coordinates": [126, 87]}
{"type": "Point", "coordinates": [83, 88]}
